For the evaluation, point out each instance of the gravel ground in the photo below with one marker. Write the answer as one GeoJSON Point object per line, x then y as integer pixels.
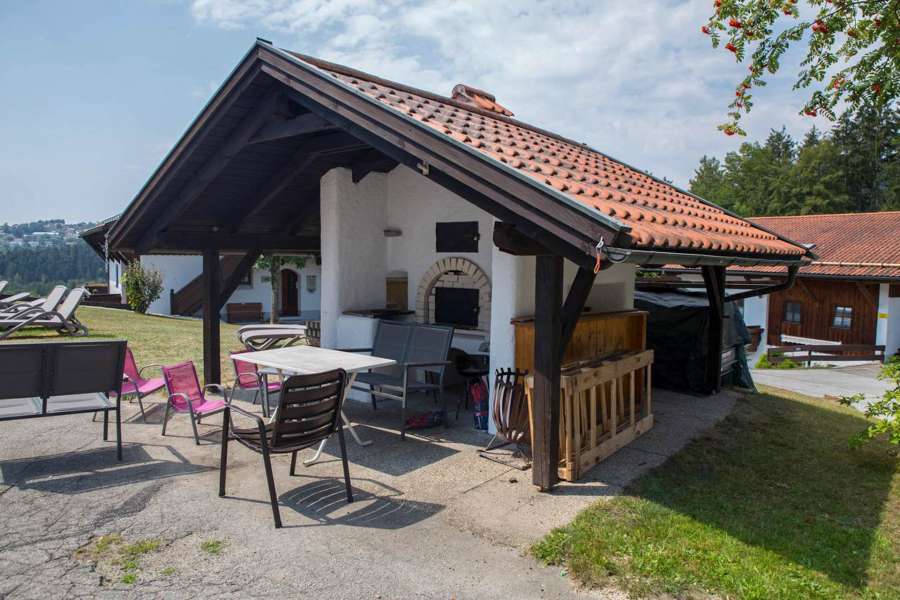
{"type": "Point", "coordinates": [431, 518]}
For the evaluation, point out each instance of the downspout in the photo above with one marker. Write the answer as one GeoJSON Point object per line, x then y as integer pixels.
{"type": "Point", "coordinates": [789, 283]}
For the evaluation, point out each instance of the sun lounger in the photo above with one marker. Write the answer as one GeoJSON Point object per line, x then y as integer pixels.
{"type": "Point", "coordinates": [22, 310]}
{"type": "Point", "coordinates": [62, 318]}
{"type": "Point", "coordinates": [10, 300]}
{"type": "Point", "coordinates": [264, 337]}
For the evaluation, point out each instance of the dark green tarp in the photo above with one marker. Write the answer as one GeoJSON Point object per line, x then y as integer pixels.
{"type": "Point", "coordinates": [677, 333]}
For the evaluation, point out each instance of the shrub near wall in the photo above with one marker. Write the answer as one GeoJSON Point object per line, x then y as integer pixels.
{"type": "Point", "coordinates": [142, 286]}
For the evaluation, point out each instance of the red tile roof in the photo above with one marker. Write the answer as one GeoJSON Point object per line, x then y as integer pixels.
{"type": "Point", "coordinates": [661, 217]}
{"type": "Point", "coordinates": [848, 245]}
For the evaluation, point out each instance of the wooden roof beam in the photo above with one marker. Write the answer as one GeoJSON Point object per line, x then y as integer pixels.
{"type": "Point", "coordinates": [280, 129]}
{"type": "Point", "coordinates": [303, 157]}
{"type": "Point", "coordinates": [214, 166]}
{"type": "Point", "coordinates": [372, 162]}
{"type": "Point", "coordinates": [198, 242]}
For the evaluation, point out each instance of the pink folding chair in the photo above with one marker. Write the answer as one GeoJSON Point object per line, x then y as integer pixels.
{"type": "Point", "coordinates": [186, 395]}
{"type": "Point", "coordinates": [248, 377]}
{"type": "Point", "coordinates": [133, 382]}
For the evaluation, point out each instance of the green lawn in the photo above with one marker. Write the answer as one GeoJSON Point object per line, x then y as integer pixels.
{"type": "Point", "coordinates": [770, 504]}
{"type": "Point", "coordinates": [154, 340]}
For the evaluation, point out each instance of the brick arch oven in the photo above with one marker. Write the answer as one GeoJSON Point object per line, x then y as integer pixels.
{"type": "Point", "coordinates": [455, 291]}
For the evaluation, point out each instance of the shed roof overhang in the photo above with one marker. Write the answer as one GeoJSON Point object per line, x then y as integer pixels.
{"type": "Point", "coordinates": [245, 175]}
{"type": "Point", "coordinates": [96, 238]}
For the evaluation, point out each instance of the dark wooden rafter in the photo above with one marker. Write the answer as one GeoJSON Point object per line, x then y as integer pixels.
{"type": "Point", "coordinates": [237, 275]}
{"type": "Point", "coordinates": [302, 158]}
{"type": "Point", "coordinates": [864, 292]}
{"type": "Point", "coordinates": [214, 166]}
{"type": "Point", "coordinates": [372, 161]}
{"type": "Point", "coordinates": [546, 394]}
{"type": "Point", "coordinates": [714, 277]}
{"type": "Point", "coordinates": [309, 204]}
{"type": "Point", "coordinates": [244, 76]}
{"type": "Point", "coordinates": [191, 242]}
{"type": "Point", "coordinates": [805, 288]}
{"type": "Point", "coordinates": [301, 125]}
{"type": "Point", "coordinates": [212, 282]}
{"type": "Point", "coordinates": [574, 304]}
{"type": "Point", "coordinates": [510, 240]}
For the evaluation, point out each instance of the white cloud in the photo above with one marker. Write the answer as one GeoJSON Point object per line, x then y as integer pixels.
{"type": "Point", "coordinates": [634, 79]}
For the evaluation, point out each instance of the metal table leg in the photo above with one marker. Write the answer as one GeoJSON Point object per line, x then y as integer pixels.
{"type": "Point", "coordinates": [347, 423]}
{"type": "Point", "coordinates": [265, 394]}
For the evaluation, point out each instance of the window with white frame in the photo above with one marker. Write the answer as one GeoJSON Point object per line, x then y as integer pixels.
{"type": "Point", "coordinates": [843, 317]}
{"type": "Point", "coordinates": [791, 312]}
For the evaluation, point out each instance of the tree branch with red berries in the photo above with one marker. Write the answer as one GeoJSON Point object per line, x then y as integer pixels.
{"type": "Point", "coordinates": [853, 53]}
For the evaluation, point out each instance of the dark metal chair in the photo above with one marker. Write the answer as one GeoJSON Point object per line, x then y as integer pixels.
{"type": "Point", "coordinates": [309, 411]}
{"type": "Point", "coordinates": [420, 368]}
{"type": "Point", "coordinates": [391, 341]}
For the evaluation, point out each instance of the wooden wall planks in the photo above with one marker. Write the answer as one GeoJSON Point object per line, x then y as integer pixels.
{"type": "Point", "coordinates": [595, 335]}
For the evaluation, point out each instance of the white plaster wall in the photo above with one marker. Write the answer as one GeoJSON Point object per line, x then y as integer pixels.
{"type": "Point", "coordinates": [512, 296]}
{"type": "Point", "coordinates": [892, 337]}
{"type": "Point", "coordinates": [177, 271]}
{"type": "Point", "coordinates": [415, 204]}
{"type": "Point", "coordinates": [260, 290]}
{"type": "Point", "coordinates": [756, 312]}
{"type": "Point", "coordinates": [354, 252]}
{"type": "Point", "coordinates": [114, 279]}
{"type": "Point", "coordinates": [613, 287]}
{"type": "Point", "coordinates": [887, 328]}
{"type": "Point", "coordinates": [882, 316]}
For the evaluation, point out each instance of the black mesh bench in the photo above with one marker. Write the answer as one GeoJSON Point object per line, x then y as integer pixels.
{"type": "Point", "coordinates": [59, 378]}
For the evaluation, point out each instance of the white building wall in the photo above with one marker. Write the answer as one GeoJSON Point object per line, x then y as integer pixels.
{"type": "Point", "coordinates": [888, 327]}
{"type": "Point", "coordinates": [414, 205]}
{"type": "Point", "coordinates": [260, 290]}
{"type": "Point", "coordinates": [114, 276]}
{"type": "Point", "coordinates": [354, 252]}
{"type": "Point", "coordinates": [892, 340]}
{"type": "Point", "coordinates": [756, 312]}
{"type": "Point", "coordinates": [177, 271]}
{"type": "Point", "coordinates": [882, 315]}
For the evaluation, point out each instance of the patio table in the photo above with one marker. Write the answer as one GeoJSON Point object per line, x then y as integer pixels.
{"type": "Point", "coordinates": [310, 360]}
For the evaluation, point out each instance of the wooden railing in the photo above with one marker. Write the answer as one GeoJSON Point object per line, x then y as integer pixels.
{"type": "Point", "coordinates": [604, 405]}
{"type": "Point", "coordinates": [188, 300]}
{"type": "Point", "coordinates": [807, 353]}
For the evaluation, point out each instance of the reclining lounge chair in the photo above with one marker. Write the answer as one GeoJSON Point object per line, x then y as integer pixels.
{"type": "Point", "coordinates": [21, 310]}
{"type": "Point", "coordinates": [62, 319]}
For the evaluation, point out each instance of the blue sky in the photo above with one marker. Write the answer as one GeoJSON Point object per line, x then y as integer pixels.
{"type": "Point", "coordinates": [93, 94]}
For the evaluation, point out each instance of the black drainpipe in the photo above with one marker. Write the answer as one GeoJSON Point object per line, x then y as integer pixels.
{"type": "Point", "coordinates": [791, 278]}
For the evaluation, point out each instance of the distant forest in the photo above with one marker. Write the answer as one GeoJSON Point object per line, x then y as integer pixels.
{"type": "Point", "coordinates": [38, 269]}
{"type": "Point", "coordinates": [853, 167]}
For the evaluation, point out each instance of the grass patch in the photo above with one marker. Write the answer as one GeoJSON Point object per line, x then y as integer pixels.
{"type": "Point", "coordinates": [213, 547]}
{"type": "Point", "coordinates": [168, 571]}
{"type": "Point", "coordinates": [153, 339]}
{"type": "Point", "coordinates": [112, 553]}
{"type": "Point", "coordinates": [770, 504]}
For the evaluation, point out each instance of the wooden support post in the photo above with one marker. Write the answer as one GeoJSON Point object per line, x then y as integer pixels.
{"type": "Point", "coordinates": [547, 332]}
{"type": "Point", "coordinates": [714, 278]}
{"type": "Point", "coordinates": [574, 304]}
{"type": "Point", "coordinates": [212, 283]}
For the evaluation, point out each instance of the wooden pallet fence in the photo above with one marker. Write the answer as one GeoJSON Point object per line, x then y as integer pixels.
{"type": "Point", "coordinates": [604, 407]}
